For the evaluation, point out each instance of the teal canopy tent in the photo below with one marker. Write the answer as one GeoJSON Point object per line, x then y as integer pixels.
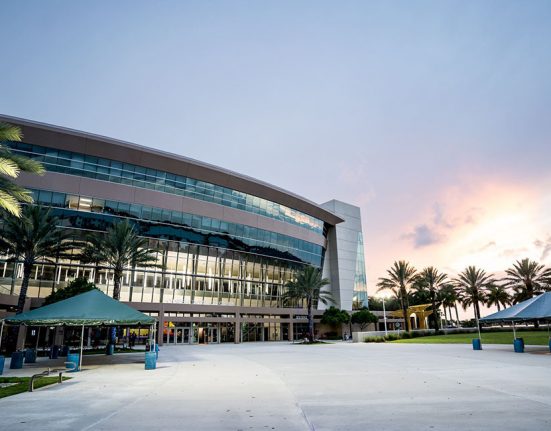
{"type": "Point", "coordinates": [92, 308]}
{"type": "Point", "coordinates": [536, 308]}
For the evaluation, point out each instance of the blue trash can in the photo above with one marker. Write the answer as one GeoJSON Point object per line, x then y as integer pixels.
{"type": "Point", "coordinates": [550, 344]}
{"type": "Point", "coordinates": [17, 360]}
{"type": "Point", "coordinates": [110, 349]}
{"type": "Point", "coordinates": [518, 343]}
{"type": "Point", "coordinates": [64, 351]}
{"type": "Point", "coordinates": [477, 345]}
{"type": "Point", "coordinates": [30, 356]}
{"type": "Point", "coordinates": [2, 361]}
{"type": "Point", "coordinates": [54, 352]}
{"type": "Point", "coordinates": [75, 358]}
{"type": "Point", "coordinates": [150, 360]}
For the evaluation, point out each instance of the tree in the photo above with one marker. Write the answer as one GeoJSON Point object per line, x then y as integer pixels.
{"type": "Point", "coordinates": [75, 287]}
{"type": "Point", "coordinates": [307, 287]}
{"type": "Point", "coordinates": [11, 165]}
{"type": "Point", "coordinates": [363, 317]}
{"type": "Point", "coordinates": [527, 278]}
{"type": "Point", "coordinates": [498, 295]}
{"type": "Point", "coordinates": [118, 249]}
{"type": "Point", "coordinates": [391, 304]}
{"type": "Point", "coordinates": [471, 285]}
{"type": "Point", "coordinates": [449, 298]}
{"type": "Point", "coordinates": [399, 279]}
{"type": "Point", "coordinates": [335, 317]}
{"type": "Point", "coordinates": [432, 280]}
{"type": "Point", "coordinates": [32, 237]}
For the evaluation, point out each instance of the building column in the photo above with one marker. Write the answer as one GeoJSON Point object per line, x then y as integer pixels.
{"type": "Point", "coordinates": [237, 330]}
{"type": "Point", "coordinates": [291, 329]}
{"type": "Point", "coordinates": [161, 326]}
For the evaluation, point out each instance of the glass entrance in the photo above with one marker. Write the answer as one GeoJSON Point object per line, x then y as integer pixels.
{"type": "Point", "coordinates": [177, 335]}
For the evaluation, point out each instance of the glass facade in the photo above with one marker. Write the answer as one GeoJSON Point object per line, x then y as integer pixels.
{"type": "Point", "coordinates": [360, 280]}
{"type": "Point", "coordinates": [82, 165]}
{"type": "Point", "coordinates": [97, 214]}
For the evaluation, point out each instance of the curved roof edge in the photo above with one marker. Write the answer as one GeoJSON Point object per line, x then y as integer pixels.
{"type": "Point", "coordinates": [36, 133]}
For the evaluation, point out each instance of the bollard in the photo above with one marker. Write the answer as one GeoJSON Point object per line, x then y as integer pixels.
{"type": "Point", "coordinates": [518, 344]}
{"type": "Point", "coordinates": [477, 345]}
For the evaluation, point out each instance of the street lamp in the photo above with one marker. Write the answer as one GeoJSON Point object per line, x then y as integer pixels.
{"type": "Point", "coordinates": [384, 314]}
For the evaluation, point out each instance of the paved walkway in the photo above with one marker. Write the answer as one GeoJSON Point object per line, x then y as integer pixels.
{"type": "Point", "coordinates": [278, 386]}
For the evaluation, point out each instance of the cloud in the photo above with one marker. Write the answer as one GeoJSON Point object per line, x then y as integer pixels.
{"type": "Point", "coordinates": [489, 245]}
{"type": "Point", "coordinates": [545, 247]}
{"type": "Point", "coordinates": [423, 236]}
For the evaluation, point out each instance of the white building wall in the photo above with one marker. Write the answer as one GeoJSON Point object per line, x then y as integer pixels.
{"type": "Point", "coordinates": [341, 253]}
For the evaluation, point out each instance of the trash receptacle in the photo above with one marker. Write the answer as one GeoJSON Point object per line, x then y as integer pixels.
{"type": "Point", "coordinates": [2, 361]}
{"type": "Point", "coordinates": [518, 343]}
{"type": "Point", "coordinates": [17, 360]}
{"type": "Point", "coordinates": [150, 360]}
{"type": "Point", "coordinates": [75, 359]}
{"type": "Point", "coordinates": [477, 345]}
{"type": "Point", "coordinates": [64, 351]}
{"type": "Point", "coordinates": [550, 344]}
{"type": "Point", "coordinates": [30, 356]}
{"type": "Point", "coordinates": [54, 352]}
{"type": "Point", "coordinates": [110, 349]}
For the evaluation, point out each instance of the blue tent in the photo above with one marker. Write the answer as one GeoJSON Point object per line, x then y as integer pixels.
{"type": "Point", "coordinates": [536, 308]}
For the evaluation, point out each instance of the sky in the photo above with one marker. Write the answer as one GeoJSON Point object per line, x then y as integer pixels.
{"type": "Point", "coordinates": [434, 117]}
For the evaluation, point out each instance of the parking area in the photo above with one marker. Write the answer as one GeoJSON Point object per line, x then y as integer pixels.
{"type": "Point", "coordinates": [281, 386]}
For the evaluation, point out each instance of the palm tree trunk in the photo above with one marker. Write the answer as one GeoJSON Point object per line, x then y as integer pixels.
{"type": "Point", "coordinates": [435, 312]}
{"type": "Point", "coordinates": [310, 321]}
{"type": "Point", "coordinates": [456, 315]}
{"type": "Point", "coordinates": [27, 269]}
{"type": "Point", "coordinates": [117, 276]}
{"type": "Point", "coordinates": [445, 315]}
{"type": "Point", "coordinates": [477, 314]}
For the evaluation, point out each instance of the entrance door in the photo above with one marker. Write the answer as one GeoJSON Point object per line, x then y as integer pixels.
{"type": "Point", "coordinates": [187, 339]}
{"type": "Point", "coordinates": [179, 335]}
{"type": "Point", "coordinates": [213, 335]}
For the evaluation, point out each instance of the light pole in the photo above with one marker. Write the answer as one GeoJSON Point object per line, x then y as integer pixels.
{"type": "Point", "coordinates": [384, 316]}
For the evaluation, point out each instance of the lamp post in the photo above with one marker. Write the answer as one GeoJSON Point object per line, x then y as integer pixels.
{"type": "Point", "coordinates": [384, 316]}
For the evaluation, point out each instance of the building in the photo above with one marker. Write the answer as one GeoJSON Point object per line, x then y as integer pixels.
{"type": "Point", "coordinates": [226, 243]}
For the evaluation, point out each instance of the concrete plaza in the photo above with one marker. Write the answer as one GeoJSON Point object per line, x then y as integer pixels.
{"type": "Point", "coordinates": [280, 386]}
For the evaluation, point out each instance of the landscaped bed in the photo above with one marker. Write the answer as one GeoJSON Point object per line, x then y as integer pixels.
{"type": "Point", "coordinates": [539, 338]}
{"type": "Point", "coordinates": [16, 385]}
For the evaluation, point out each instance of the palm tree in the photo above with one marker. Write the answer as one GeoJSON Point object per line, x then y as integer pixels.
{"type": "Point", "coordinates": [527, 278]}
{"type": "Point", "coordinates": [119, 248]}
{"type": "Point", "coordinates": [471, 285]}
{"type": "Point", "coordinates": [11, 166]}
{"type": "Point", "coordinates": [432, 280]}
{"type": "Point", "coordinates": [308, 286]}
{"type": "Point", "coordinates": [498, 295]}
{"type": "Point", "coordinates": [399, 279]}
{"type": "Point", "coordinates": [32, 237]}
{"type": "Point", "coordinates": [449, 298]}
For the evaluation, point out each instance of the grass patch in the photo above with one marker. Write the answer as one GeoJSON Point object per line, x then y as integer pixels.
{"type": "Point", "coordinates": [22, 384]}
{"type": "Point", "coordinates": [537, 338]}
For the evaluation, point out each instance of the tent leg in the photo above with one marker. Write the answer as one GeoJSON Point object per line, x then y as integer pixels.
{"type": "Point", "coordinates": [37, 338]}
{"type": "Point", "coordinates": [2, 331]}
{"type": "Point", "coordinates": [81, 343]}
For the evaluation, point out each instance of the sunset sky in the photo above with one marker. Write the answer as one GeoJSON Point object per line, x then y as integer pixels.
{"type": "Point", "coordinates": [433, 116]}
